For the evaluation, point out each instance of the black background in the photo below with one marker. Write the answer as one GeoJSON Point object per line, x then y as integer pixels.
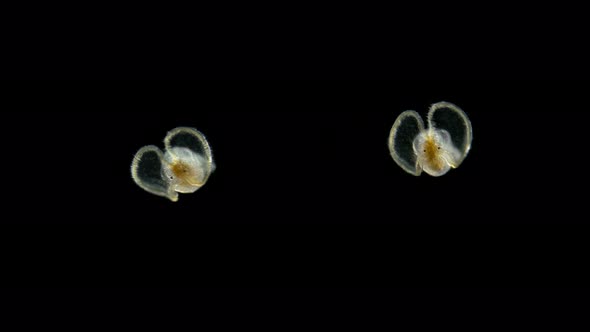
{"type": "Point", "coordinates": [305, 193]}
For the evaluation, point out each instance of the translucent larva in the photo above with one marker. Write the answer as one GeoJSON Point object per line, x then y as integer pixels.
{"type": "Point", "coordinates": [436, 149]}
{"type": "Point", "coordinates": [184, 167]}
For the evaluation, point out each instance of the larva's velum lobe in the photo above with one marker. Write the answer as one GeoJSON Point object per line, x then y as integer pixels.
{"type": "Point", "coordinates": [435, 149]}
{"type": "Point", "coordinates": [184, 167]}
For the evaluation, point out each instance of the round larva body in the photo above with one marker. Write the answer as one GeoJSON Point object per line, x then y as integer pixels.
{"type": "Point", "coordinates": [185, 169]}
{"type": "Point", "coordinates": [435, 152]}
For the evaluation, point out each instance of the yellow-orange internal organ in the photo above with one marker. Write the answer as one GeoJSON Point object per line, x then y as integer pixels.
{"type": "Point", "coordinates": [432, 154]}
{"type": "Point", "coordinates": [185, 173]}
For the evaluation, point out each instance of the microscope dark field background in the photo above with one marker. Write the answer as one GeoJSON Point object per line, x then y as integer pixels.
{"type": "Point", "coordinates": [305, 193]}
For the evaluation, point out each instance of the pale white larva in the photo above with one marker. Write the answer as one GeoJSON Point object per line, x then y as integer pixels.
{"type": "Point", "coordinates": [184, 167]}
{"type": "Point", "coordinates": [436, 149]}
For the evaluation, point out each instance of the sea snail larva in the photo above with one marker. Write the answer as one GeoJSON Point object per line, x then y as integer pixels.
{"type": "Point", "coordinates": [184, 167]}
{"type": "Point", "coordinates": [436, 149]}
